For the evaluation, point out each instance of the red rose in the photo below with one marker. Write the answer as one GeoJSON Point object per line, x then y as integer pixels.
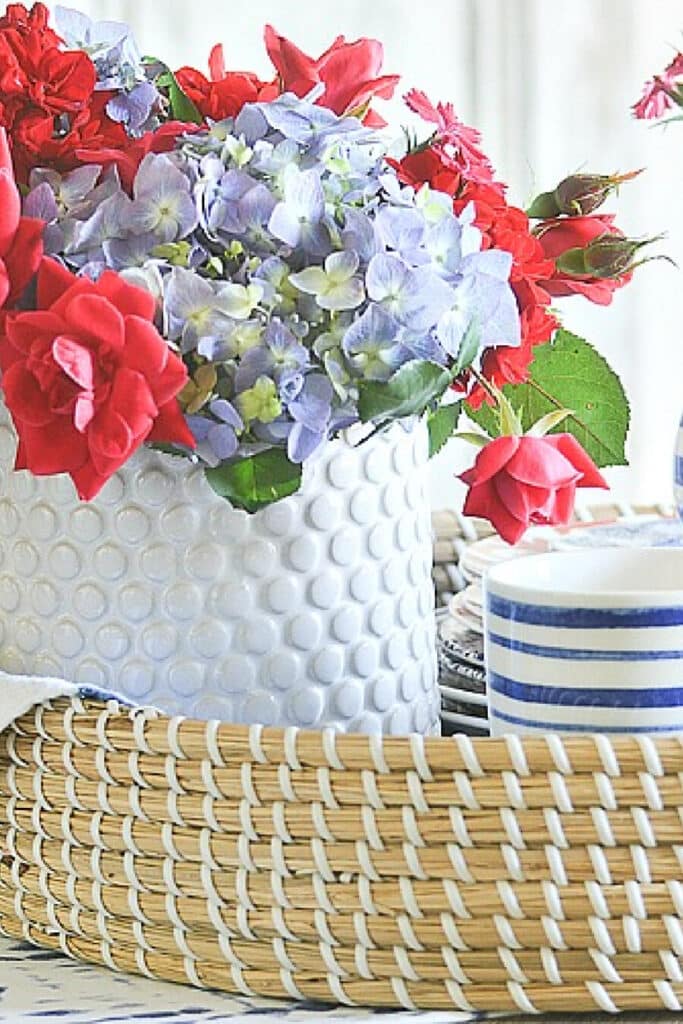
{"type": "Point", "coordinates": [561, 235]}
{"type": "Point", "coordinates": [350, 73]}
{"type": "Point", "coordinates": [87, 378]}
{"type": "Point", "coordinates": [21, 238]}
{"type": "Point", "coordinates": [516, 481]}
{"type": "Point", "coordinates": [225, 93]}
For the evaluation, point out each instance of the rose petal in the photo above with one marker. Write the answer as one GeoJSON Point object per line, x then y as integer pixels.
{"type": "Point", "coordinates": [579, 458]}
{"type": "Point", "coordinates": [94, 317]}
{"type": "Point", "coordinates": [75, 360]}
{"type": "Point", "coordinates": [541, 464]}
{"type": "Point", "coordinates": [128, 298]}
{"type": "Point", "coordinates": [145, 350]}
{"type": "Point", "coordinates": [170, 426]}
{"type": "Point", "coordinates": [491, 459]}
{"type": "Point", "coordinates": [53, 281]}
{"type": "Point", "coordinates": [54, 448]}
{"type": "Point", "coordinates": [521, 500]}
{"type": "Point", "coordinates": [4, 283]}
{"type": "Point", "coordinates": [88, 481]}
{"type": "Point", "coordinates": [25, 399]}
{"type": "Point", "coordinates": [24, 256]}
{"type": "Point", "coordinates": [482, 501]}
{"type": "Point", "coordinates": [10, 210]}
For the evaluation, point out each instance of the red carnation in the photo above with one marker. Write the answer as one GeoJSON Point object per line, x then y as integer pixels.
{"type": "Point", "coordinates": [87, 378]}
{"type": "Point", "coordinates": [350, 73]}
{"type": "Point", "coordinates": [45, 92]}
{"type": "Point", "coordinates": [21, 238]}
{"type": "Point", "coordinates": [516, 481]}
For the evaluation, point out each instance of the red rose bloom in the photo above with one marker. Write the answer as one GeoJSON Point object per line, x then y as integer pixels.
{"type": "Point", "coordinates": [516, 481]}
{"type": "Point", "coordinates": [21, 238]}
{"type": "Point", "coordinates": [87, 378]}
{"type": "Point", "coordinates": [350, 73]}
{"type": "Point", "coordinates": [560, 234]}
{"type": "Point", "coordinates": [224, 93]}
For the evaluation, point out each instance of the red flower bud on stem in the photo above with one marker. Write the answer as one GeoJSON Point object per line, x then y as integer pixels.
{"type": "Point", "coordinates": [577, 195]}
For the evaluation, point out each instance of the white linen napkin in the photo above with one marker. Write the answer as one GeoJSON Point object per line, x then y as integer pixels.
{"type": "Point", "coordinates": [19, 693]}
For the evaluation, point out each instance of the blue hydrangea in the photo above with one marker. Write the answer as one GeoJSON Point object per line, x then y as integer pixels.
{"type": "Point", "coordinates": [291, 268]}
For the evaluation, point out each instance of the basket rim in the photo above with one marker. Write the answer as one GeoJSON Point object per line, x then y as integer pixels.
{"type": "Point", "coordinates": [156, 733]}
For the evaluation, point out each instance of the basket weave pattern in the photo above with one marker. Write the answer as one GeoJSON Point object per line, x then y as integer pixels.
{"type": "Point", "coordinates": [479, 874]}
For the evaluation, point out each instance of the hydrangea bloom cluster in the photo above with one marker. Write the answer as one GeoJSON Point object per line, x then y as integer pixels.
{"type": "Point", "coordinates": [236, 269]}
{"type": "Point", "coordinates": [290, 266]}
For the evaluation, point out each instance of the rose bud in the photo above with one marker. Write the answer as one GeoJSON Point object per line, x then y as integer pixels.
{"type": "Point", "coordinates": [592, 257]}
{"type": "Point", "coordinates": [577, 195]}
{"type": "Point", "coordinates": [608, 256]}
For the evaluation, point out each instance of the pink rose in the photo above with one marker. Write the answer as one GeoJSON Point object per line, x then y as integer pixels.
{"type": "Point", "coordinates": [516, 481]}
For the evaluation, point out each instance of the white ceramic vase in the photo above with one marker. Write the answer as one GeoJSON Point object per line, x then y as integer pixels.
{"type": "Point", "coordinates": [315, 611]}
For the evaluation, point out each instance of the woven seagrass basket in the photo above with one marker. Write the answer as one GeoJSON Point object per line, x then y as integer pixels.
{"type": "Point", "coordinates": [505, 874]}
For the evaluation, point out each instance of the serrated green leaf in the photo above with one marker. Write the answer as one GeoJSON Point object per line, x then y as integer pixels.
{"type": "Point", "coordinates": [409, 391]}
{"type": "Point", "coordinates": [258, 481]}
{"type": "Point", "coordinates": [441, 423]}
{"type": "Point", "coordinates": [568, 373]}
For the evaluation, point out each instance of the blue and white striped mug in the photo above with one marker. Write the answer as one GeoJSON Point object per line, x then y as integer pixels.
{"type": "Point", "coordinates": [586, 641]}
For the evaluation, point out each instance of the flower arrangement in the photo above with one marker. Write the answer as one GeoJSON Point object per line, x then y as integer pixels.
{"type": "Point", "coordinates": [238, 270]}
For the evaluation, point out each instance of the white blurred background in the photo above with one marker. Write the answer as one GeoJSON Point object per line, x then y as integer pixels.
{"type": "Point", "coordinates": [549, 83]}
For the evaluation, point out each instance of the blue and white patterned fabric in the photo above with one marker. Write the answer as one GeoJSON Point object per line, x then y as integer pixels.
{"type": "Point", "coordinates": [38, 987]}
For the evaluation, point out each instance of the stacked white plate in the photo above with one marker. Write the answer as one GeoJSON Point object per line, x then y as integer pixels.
{"type": "Point", "coordinates": [461, 626]}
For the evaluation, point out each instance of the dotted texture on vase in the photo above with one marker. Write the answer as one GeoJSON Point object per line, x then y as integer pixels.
{"type": "Point", "coordinates": [315, 611]}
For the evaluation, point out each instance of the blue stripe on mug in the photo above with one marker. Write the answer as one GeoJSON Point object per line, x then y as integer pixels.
{"type": "Point", "coordinates": [586, 696]}
{"type": "Point", "coordinates": [678, 469]}
{"type": "Point", "coordinates": [581, 653]}
{"type": "Point", "coordinates": [584, 618]}
{"type": "Point", "coordinates": [531, 723]}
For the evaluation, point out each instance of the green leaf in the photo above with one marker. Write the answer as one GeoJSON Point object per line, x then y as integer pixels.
{"type": "Point", "coordinates": [410, 390]}
{"type": "Point", "coordinates": [469, 347]}
{"type": "Point", "coordinates": [258, 481]}
{"type": "Point", "coordinates": [441, 423]}
{"type": "Point", "coordinates": [182, 107]}
{"type": "Point", "coordinates": [568, 373]}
